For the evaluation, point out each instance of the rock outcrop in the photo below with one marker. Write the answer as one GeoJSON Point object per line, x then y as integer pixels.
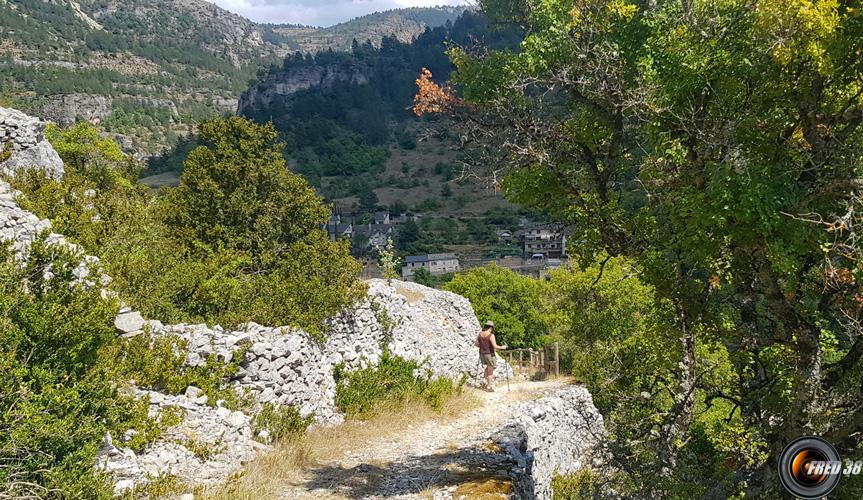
{"type": "Point", "coordinates": [23, 136]}
{"type": "Point", "coordinates": [283, 84]}
{"type": "Point", "coordinates": [66, 109]}
{"type": "Point", "coordinates": [557, 434]}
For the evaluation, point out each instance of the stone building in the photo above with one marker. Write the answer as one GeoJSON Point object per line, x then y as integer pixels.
{"type": "Point", "coordinates": [544, 244]}
{"type": "Point", "coordinates": [436, 263]}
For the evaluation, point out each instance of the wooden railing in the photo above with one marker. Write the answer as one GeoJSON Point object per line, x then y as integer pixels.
{"type": "Point", "coordinates": [545, 361]}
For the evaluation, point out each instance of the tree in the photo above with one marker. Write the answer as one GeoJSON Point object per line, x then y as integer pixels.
{"type": "Point", "coordinates": [408, 233]}
{"type": "Point", "coordinates": [237, 193]}
{"type": "Point", "coordinates": [424, 277]}
{"type": "Point", "coordinates": [701, 140]}
{"type": "Point", "coordinates": [368, 200]}
{"type": "Point", "coordinates": [511, 300]}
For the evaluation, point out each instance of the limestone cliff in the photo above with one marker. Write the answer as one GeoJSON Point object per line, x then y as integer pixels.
{"type": "Point", "coordinates": [283, 84]}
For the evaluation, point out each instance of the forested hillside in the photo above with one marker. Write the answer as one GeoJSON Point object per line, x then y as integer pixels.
{"type": "Point", "coordinates": [349, 130]}
{"type": "Point", "coordinates": [148, 69]}
{"type": "Point", "coordinates": [403, 24]}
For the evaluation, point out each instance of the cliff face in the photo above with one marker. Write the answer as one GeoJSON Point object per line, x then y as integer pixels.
{"type": "Point", "coordinates": [283, 84]}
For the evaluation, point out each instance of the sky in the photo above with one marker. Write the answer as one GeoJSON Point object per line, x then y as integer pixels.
{"type": "Point", "coordinates": [318, 12]}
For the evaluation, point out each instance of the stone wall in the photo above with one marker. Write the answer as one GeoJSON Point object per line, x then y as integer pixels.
{"type": "Point", "coordinates": [281, 366]}
{"type": "Point", "coordinates": [557, 434]}
{"type": "Point", "coordinates": [29, 148]}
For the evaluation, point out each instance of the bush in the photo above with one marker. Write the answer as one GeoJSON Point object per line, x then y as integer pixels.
{"type": "Point", "coordinates": [575, 486]}
{"type": "Point", "coordinates": [59, 393]}
{"type": "Point", "coordinates": [394, 381]}
{"type": "Point", "coordinates": [511, 300]}
{"type": "Point", "coordinates": [280, 422]}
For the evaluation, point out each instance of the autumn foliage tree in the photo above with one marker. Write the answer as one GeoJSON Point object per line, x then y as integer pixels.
{"type": "Point", "coordinates": [713, 144]}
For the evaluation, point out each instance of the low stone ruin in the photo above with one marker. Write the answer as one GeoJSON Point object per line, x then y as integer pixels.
{"type": "Point", "coordinates": [24, 136]}
{"type": "Point", "coordinates": [556, 434]}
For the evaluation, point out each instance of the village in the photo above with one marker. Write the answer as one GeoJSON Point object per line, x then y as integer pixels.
{"type": "Point", "coordinates": [535, 248]}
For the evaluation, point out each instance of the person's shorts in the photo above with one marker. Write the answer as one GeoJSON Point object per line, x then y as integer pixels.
{"type": "Point", "coordinates": [488, 360]}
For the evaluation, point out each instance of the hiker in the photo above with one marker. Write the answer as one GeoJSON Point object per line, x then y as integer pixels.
{"type": "Point", "coordinates": [487, 347]}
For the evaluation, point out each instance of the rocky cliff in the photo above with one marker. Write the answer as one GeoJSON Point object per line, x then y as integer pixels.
{"type": "Point", "coordinates": [283, 84]}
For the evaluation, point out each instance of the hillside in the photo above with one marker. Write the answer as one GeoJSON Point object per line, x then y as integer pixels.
{"type": "Point", "coordinates": [404, 24]}
{"type": "Point", "coordinates": [148, 69]}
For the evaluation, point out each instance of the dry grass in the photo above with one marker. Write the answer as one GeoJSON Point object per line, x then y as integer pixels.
{"type": "Point", "coordinates": [484, 489]}
{"type": "Point", "coordinates": [411, 296]}
{"type": "Point", "coordinates": [287, 464]}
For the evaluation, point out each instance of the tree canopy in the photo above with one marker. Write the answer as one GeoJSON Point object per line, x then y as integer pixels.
{"type": "Point", "coordinates": [511, 300]}
{"type": "Point", "coordinates": [713, 143]}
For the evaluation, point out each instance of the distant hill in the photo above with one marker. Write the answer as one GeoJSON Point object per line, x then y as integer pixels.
{"type": "Point", "coordinates": [148, 69]}
{"type": "Point", "coordinates": [403, 24]}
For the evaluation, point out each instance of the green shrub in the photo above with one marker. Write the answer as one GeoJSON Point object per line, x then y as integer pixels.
{"type": "Point", "coordinates": [151, 429]}
{"type": "Point", "coordinates": [394, 381]}
{"type": "Point", "coordinates": [579, 485]}
{"type": "Point", "coordinates": [159, 363]}
{"type": "Point", "coordinates": [59, 392]}
{"type": "Point", "coordinates": [203, 450]}
{"type": "Point", "coordinates": [280, 422]}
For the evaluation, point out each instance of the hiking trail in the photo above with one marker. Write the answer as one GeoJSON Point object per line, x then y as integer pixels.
{"type": "Point", "coordinates": [430, 460]}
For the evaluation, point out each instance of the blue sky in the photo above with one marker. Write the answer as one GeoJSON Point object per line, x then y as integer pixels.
{"type": "Point", "coordinates": [318, 12]}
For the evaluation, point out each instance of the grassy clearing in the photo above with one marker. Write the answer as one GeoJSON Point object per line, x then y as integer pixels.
{"type": "Point", "coordinates": [271, 474]}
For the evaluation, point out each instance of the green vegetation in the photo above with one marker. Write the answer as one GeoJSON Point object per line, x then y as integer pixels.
{"type": "Point", "coordinates": [676, 135]}
{"type": "Point", "coordinates": [576, 486]}
{"type": "Point", "coordinates": [280, 422]}
{"type": "Point", "coordinates": [202, 449]}
{"type": "Point", "coordinates": [59, 392]}
{"type": "Point", "coordinates": [238, 223]}
{"type": "Point", "coordinates": [509, 299]}
{"type": "Point", "coordinates": [394, 381]}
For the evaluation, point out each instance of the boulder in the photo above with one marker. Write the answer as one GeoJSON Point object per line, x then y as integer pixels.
{"type": "Point", "coordinates": [129, 322]}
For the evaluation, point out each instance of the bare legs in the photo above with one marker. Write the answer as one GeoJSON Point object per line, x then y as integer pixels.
{"type": "Point", "coordinates": [489, 377]}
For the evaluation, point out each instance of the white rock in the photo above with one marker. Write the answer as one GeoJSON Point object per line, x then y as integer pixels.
{"type": "Point", "coordinates": [193, 392]}
{"type": "Point", "coordinates": [129, 322]}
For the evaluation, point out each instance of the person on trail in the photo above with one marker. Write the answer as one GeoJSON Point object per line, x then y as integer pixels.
{"type": "Point", "coordinates": [487, 347]}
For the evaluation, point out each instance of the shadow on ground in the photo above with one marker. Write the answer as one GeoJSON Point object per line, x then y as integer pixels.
{"type": "Point", "coordinates": [473, 472]}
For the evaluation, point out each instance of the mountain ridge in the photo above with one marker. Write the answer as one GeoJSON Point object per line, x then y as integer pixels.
{"type": "Point", "coordinates": [147, 70]}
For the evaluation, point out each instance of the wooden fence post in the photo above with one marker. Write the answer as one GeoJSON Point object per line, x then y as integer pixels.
{"type": "Point", "coordinates": [557, 359]}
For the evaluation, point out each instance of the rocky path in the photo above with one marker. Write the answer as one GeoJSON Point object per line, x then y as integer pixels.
{"type": "Point", "coordinates": [430, 460]}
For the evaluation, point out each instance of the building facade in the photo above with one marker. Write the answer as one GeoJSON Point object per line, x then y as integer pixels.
{"type": "Point", "coordinates": [544, 244]}
{"type": "Point", "coordinates": [438, 263]}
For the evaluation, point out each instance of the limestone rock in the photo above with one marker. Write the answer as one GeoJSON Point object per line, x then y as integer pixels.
{"type": "Point", "coordinates": [129, 322]}
{"type": "Point", "coordinates": [25, 135]}
{"type": "Point", "coordinates": [557, 434]}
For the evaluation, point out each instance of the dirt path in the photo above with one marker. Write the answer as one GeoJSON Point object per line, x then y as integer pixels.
{"type": "Point", "coordinates": [430, 460]}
